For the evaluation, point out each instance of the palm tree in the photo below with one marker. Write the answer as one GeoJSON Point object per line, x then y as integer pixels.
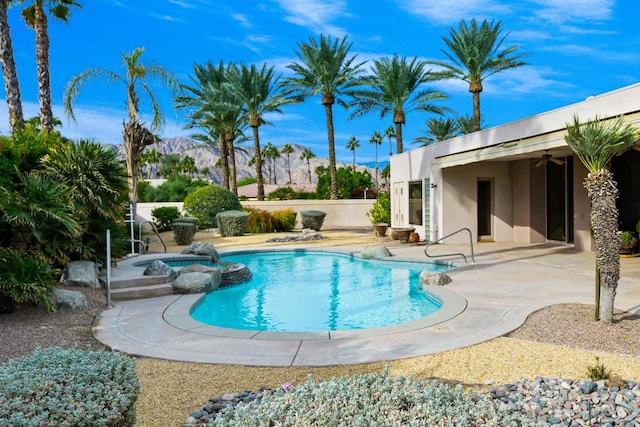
{"type": "Point", "coordinates": [376, 139]}
{"type": "Point", "coordinates": [595, 143]}
{"type": "Point", "coordinates": [437, 130]}
{"type": "Point", "coordinates": [326, 69]}
{"type": "Point", "coordinates": [287, 150]}
{"type": "Point", "coordinates": [390, 133]}
{"type": "Point", "coordinates": [169, 165]}
{"type": "Point", "coordinates": [475, 54]}
{"type": "Point", "coordinates": [36, 17]}
{"type": "Point", "coordinates": [188, 165]}
{"type": "Point", "coordinates": [271, 153]}
{"type": "Point", "coordinates": [152, 158]}
{"type": "Point", "coordinates": [9, 72]}
{"type": "Point", "coordinates": [307, 155]}
{"type": "Point", "coordinates": [205, 171]}
{"type": "Point", "coordinates": [465, 124]}
{"type": "Point", "coordinates": [214, 106]}
{"type": "Point", "coordinates": [386, 174]}
{"type": "Point", "coordinates": [135, 135]}
{"type": "Point", "coordinates": [395, 87]}
{"type": "Point", "coordinates": [352, 144]}
{"type": "Point", "coordinates": [258, 90]}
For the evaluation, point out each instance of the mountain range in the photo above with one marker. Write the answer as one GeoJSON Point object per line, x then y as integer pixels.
{"type": "Point", "coordinates": [206, 156]}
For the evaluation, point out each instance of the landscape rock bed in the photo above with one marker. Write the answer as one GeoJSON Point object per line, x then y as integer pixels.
{"type": "Point", "coordinates": [543, 401]}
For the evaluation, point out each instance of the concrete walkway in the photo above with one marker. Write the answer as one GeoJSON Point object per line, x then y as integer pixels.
{"type": "Point", "coordinates": [508, 283]}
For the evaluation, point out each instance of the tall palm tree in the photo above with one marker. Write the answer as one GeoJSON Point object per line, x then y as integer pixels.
{"type": "Point", "coordinates": [475, 53]}
{"type": "Point", "coordinates": [9, 72]}
{"type": "Point", "coordinates": [326, 69]}
{"type": "Point", "coordinates": [438, 130]}
{"type": "Point", "coordinates": [390, 133]}
{"type": "Point", "coordinates": [307, 155]}
{"type": "Point", "coordinates": [36, 17]}
{"type": "Point", "coordinates": [287, 150]}
{"type": "Point", "coordinates": [396, 87]}
{"type": "Point", "coordinates": [595, 143]}
{"type": "Point", "coordinates": [188, 165]}
{"type": "Point", "coordinates": [259, 92]}
{"type": "Point", "coordinates": [376, 139]}
{"type": "Point", "coordinates": [386, 174]}
{"type": "Point", "coordinates": [152, 158]}
{"type": "Point", "coordinates": [135, 80]}
{"type": "Point", "coordinates": [213, 105]}
{"type": "Point", "coordinates": [465, 124]}
{"type": "Point", "coordinates": [352, 144]}
{"type": "Point", "coordinates": [271, 153]}
{"type": "Point", "coordinates": [169, 165]}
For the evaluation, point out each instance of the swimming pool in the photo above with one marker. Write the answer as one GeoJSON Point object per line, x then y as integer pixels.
{"type": "Point", "coordinates": [306, 291]}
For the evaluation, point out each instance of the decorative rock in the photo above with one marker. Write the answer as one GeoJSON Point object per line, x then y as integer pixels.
{"type": "Point", "coordinates": [72, 300]}
{"type": "Point", "coordinates": [214, 272]}
{"type": "Point", "coordinates": [81, 273]}
{"type": "Point", "coordinates": [159, 268]}
{"type": "Point", "coordinates": [375, 252]}
{"type": "Point", "coordinates": [306, 235]}
{"type": "Point", "coordinates": [202, 249]}
{"type": "Point", "coordinates": [193, 283]}
{"type": "Point", "coordinates": [235, 273]}
{"type": "Point", "coordinates": [429, 278]}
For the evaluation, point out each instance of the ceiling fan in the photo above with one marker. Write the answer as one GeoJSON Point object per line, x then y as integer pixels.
{"type": "Point", "coordinates": [546, 157]}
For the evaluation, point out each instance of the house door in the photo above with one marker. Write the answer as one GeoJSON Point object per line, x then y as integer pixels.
{"type": "Point", "coordinates": [485, 209]}
{"type": "Point", "coordinates": [560, 201]}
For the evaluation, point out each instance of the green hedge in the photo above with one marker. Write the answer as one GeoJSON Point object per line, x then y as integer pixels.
{"type": "Point", "coordinates": [69, 387]}
{"type": "Point", "coordinates": [207, 202]}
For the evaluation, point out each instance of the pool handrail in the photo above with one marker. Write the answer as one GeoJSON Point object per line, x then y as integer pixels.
{"type": "Point", "coordinates": [155, 230]}
{"type": "Point", "coordinates": [426, 248]}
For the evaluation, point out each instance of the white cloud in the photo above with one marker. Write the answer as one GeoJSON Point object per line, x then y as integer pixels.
{"type": "Point", "coordinates": [558, 11]}
{"type": "Point", "coordinates": [242, 19]}
{"type": "Point", "coordinates": [315, 14]}
{"type": "Point", "coordinates": [452, 11]}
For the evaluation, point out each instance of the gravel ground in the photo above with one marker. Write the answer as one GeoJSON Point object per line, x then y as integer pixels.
{"type": "Point", "coordinates": [560, 340]}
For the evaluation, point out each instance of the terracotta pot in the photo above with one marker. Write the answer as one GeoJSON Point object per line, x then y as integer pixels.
{"type": "Point", "coordinates": [380, 229]}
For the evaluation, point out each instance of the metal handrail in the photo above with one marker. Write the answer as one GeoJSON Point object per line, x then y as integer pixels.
{"type": "Point", "coordinates": [155, 230]}
{"type": "Point", "coordinates": [455, 253]}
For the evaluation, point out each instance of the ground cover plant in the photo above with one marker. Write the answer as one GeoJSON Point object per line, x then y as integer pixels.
{"type": "Point", "coordinates": [58, 387]}
{"type": "Point", "coordinates": [369, 399]}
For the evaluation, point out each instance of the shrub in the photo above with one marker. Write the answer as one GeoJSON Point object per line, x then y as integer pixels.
{"type": "Point", "coordinates": [164, 217]}
{"type": "Point", "coordinates": [207, 202]}
{"type": "Point", "coordinates": [598, 371]}
{"type": "Point", "coordinates": [56, 387]}
{"type": "Point", "coordinates": [232, 223]}
{"type": "Point", "coordinates": [26, 278]}
{"type": "Point", "coordinates": [380, 212]}
{"type": "Point", "coordinates": [284, 220]}
{"type": "Point", "coordinates": [312, 219]}
{"type": "Point", "coordinates": [283, 193]}
{"type": "Point", "coordinates": [369, 400]}
{"type": "Point", "coordinates": [175, 189]}
{"type": "Point", "coordinates": [183, 232]}
{"type": "Point", "coordinates": [260, 221]}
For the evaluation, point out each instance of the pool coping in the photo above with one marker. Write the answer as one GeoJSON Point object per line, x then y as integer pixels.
{"type": "Point", "coordinates": [178, 313]}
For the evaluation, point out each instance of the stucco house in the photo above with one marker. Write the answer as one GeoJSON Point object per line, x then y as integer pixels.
{"type": "Point", "coordinates": [517, 182]}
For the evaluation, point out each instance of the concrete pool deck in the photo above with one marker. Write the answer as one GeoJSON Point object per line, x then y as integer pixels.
{"type": "Point", "coordinates": [508, 283]}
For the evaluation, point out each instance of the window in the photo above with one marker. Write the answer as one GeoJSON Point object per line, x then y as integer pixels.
{"type": "Point", "coordinates": [415, 203]}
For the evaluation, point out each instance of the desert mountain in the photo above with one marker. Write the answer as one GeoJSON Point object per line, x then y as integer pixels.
{"type": "Point", "coordinates": [206, 156]}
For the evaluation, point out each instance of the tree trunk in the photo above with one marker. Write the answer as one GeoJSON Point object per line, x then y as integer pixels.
{"type": "Point", "coordinates": [135, 137]}
{"type": "Point", "coordinates": [309, 169]}
{"type": "Point", "coordinates": [289, 168]}
{"type": "Point", "coordinates": [377, 184]}
{"type": "Point", "coordinates": [399, 120]}
{"type": "Point", "coordinates": [9, 72]}
{"type": "Point", "coordinates": [602, 191]}
{"type": "Point", "coordinates": [232, 167]}
{"type": "Point", "coordinates": [258, 162]}
{"type": "Point", "coordinates": [333, 173]}
{"type": "Point", "coordinates": [42, 67]}
{"type": "Point", "coordinates": [476, 111]}
{"type": "Point", "coordinates": [224, 162]}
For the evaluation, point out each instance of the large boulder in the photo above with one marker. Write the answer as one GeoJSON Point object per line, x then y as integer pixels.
{"type": "Point", "coordinates": [71, 300]}
{"type": "Point", "coordinates": [81, 273]}
{"type": "Point", "coordinates": [206, 249]}
{"type": "Point", "coordinates": [430, 278]}
{"type": "Point", "coordinates": [193, 283]}
{"type": "Point", "coordinates": [159, 268]}
{"type": "Point", "coordinates": [214, 272]}
{"type": "Point", "coordinates": [375, 252]}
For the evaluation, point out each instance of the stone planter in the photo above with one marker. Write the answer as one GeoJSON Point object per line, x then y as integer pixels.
{"type": "Point", "coordinates": [380, 229]}
{"type": "Point", "coordinates": [403, 233]}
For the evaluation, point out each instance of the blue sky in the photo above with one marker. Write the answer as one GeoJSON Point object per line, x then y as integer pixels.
{"type": "Point", "coordinates": [575, 48]}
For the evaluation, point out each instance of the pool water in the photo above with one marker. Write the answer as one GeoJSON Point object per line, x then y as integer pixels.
{"type": "Point", "coordinates": [318, 291]}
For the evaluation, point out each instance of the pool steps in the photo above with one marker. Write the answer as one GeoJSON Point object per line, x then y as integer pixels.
{"type": "Point", "coordinates": [128, 288]}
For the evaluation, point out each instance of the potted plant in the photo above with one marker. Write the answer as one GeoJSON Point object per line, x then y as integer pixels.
{"type": "Point", "coordinates": [628, 242]}
{"type": "Point", "coordinates": [380, 214]}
